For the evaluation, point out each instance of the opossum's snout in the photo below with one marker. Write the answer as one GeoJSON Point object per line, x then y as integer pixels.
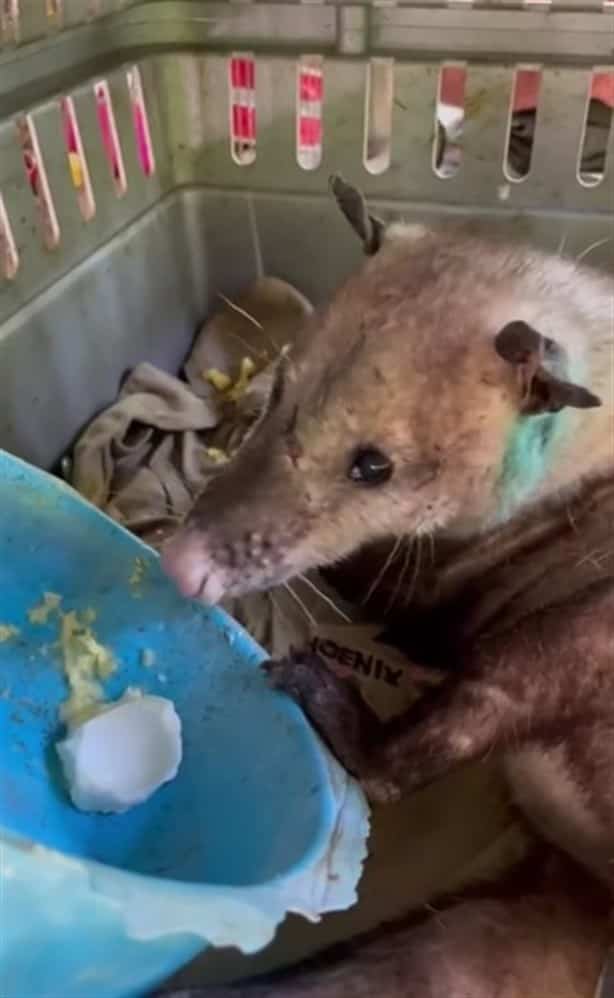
{"type": "Point", "coordinates": [242, 534]}
{"type": "Point", "coordinates": [186, 561]}
{"type": "Point", "coordinates": [206, 567]}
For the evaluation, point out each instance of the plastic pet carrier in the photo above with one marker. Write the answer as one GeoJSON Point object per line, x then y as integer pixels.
{"type": "Point", "coordinates": [157, 153]}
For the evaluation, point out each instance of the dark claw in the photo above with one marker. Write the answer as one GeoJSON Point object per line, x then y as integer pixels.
{"type": "Point", "coordinates": [381, 791]}
{"type": "Point", "coordinates": [290, 675]}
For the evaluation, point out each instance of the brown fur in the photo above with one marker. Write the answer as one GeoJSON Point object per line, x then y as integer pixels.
{"type": "Point", "coordinates": [513, 595]}
{"type": "Point", "coordinates": [543, 936]}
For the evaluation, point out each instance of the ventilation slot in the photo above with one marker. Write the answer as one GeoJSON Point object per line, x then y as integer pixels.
{"type": "Point", "coordinates": [110, 138]}
{"type": "Point", "coordinates": [9, 258]}
{"type": "Point", "coordinates": [77, 163]}
{"type": "Point", "coordinates": [593, 152]}
{"type": "Point", "coordinates": [141, 122]}
{"type": "Point", "coordinates": [378, 115]}
{"type": "Point", "coordinates": [55, 13]}
{"type": "Point", "coordinates": [449, 121]}
{"type": "Point", "coordinates": [9, 20]}
{"type": "Point", "coordinates": [242, 73]}
{"type": "Point", "coordinates": [522, 122]}
{"type": "Point", "coordinates": [37, 179]}
{"type": "Point", "coordinates": [309, 98]}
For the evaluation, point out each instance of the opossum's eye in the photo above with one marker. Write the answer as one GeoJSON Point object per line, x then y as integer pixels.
{"type": "Point", "coordinates": [371, 467]}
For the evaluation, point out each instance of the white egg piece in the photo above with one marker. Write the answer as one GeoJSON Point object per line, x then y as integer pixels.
{"type": "Point", "coordinates": [121, 756]}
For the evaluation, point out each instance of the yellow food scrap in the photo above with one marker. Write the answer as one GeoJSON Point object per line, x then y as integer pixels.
{"type": "Point", "coordinates": [148, 658]}
{"type": "Point", "coordinates": [216, 455]}
{"type": "Point", "coordinates": [232, 392]}
{"type": "Point", "coordinates": [138, 574]}
{"type": "Point", "coordinates": [40, 614]}
{"type": "Point", "coordinates": [248, 369]}
{"type": "Point", "coordinates": [86, 662]}
{"type": "Point", "coordinates": [8, 631]}
{"type": "Point", "coordinates": [220, 381]}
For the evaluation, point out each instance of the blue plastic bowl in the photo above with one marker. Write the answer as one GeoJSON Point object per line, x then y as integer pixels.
{"type": "Point", "coordinates": [107, 906]}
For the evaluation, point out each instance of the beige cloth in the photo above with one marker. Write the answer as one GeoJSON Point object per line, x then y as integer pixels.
{"type": "Point", "coordinates": [145, 458]}
{"type": "Point", "coordinates": [143, 461]}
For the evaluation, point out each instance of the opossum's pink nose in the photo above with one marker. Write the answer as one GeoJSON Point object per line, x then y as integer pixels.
{"type": "Point", "coordinates": [186, 562]}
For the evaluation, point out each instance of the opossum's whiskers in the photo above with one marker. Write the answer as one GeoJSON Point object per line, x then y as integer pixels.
{"type": "Point", "coordinates": [409, 547]}
{"type": "Point", "coordinates": [431, 539]}
{"type": "Point", "coordinates": [309, 617]}
{"type": "Point", "coordinates": [593, 246]}
{"type": "Point", "coordinates": [384, 569]}
{"type": "Point", "coordinates": [241, 311]}
{"type": "Point", "coordinates": [277, 605]}
{"type": "Point", "coordinates": [412, 586]}
{"type": "Point", "coordinates": [262, 354]}
{"type": "Point", "coordinates": [266, 637]}
{"type": "Point", "coordinates": [250, 318]}
{"type": "Point", "coordinates": [325, 599]}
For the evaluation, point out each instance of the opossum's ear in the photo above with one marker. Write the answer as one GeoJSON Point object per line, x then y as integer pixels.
{"type": "Point", "coordinates": [368, 228]}
{"type": "Point", "coordinates": [542, 391]}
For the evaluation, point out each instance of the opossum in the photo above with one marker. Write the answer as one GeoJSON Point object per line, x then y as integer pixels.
{"type": "Point", "coordinates": [459, 392]}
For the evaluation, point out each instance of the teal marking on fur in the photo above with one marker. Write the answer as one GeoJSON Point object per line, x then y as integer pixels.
{"type": "Point", "coordinates": [531, 449]}
{"type": "Point", "coordinates": [527, 459]}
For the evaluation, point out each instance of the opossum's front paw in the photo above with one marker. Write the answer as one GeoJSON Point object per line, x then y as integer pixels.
{"type": "Point", "coordinates": [325, 697]}
{"type": "Point", "coordinates": [302, 677]}
{"type": "Point", "coordinates": [380, 790]}
{"type": "Point", "coordinates": [333, 705]}
{"type": "Point", "coordinates": [337, 710]}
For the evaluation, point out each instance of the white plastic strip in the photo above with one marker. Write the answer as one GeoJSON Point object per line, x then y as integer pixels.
{"type": "Point", "coordinates": [378, 115]}
{"type": "Point", "coordinates": [9, 21]}
{"type": "Point", "coordinates": [37, 179]}
{"type": "Point", "coordinates": [9, 257]}
{"type": "Point", "coordinates": [110, 138]}
{"type": "Point", "coordinates": [449, 120]}
{"type": "Point", "coordinates": [140, 118]}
